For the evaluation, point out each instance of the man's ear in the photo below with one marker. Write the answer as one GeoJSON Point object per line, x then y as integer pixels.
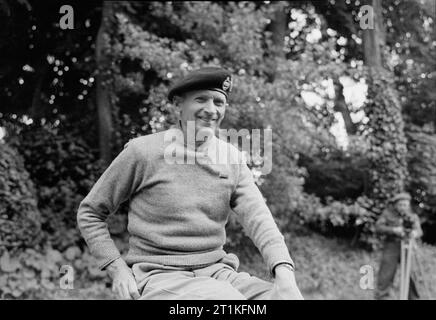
{"type": "Point", "coordinates": [177, 101]}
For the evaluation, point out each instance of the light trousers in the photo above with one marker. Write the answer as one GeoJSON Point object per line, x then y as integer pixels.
{"type": "Point", "coordinates": [217, 281]}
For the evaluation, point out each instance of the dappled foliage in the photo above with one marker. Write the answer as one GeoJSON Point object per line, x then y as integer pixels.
{"type": "Point", "coordinates": [55, 61]}
{"type": "Point", "coordinates": [63, 167]}
{"type": "Point", "coordinates": [34, 273]}
{"type": "Point", "coordinates": [422, 167]}
{"type": "Point", "coordinates": [352, 220]}
{"type": "Point", "coordinates": [19, 216]}
{"type": "Point", "coordinates": [50, 115]}
{"type": "Point", "coordinates": [388, 149]}
{"type": "Point", "coordinates": [150, 45]}
{"type": "Point", "coordinates": [337, 175]}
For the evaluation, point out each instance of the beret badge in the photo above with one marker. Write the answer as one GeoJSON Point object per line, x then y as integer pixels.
{"type": "Point", "coordinates": [227, 84]}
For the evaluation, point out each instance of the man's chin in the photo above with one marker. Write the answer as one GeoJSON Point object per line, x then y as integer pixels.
{"type": "Point", "coordinates": [205, 131]}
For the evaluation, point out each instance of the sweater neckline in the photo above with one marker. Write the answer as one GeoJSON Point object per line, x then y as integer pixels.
{"type": "Point", "coordinates": [204, 149]}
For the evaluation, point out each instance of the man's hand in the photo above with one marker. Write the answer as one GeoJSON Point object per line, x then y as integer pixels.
{"type": "Point", "coordinates": [415, 234]}
{"type": "Point", "coordinates": [123, 281]}
{"type": "Point", "coordinates": [399, 231]}
{"type": "Point", "coordinates": [285, 286]}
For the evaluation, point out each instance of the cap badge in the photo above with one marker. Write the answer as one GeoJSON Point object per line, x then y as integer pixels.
{"type": "Point", "coordinates": [227, 84]}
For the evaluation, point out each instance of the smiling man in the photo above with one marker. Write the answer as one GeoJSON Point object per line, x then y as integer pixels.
{"type": "Point", "coordinates": [178, 211]}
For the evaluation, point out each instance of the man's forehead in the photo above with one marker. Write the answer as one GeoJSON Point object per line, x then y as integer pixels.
{"type": "Point", "coordinates": [210, 93]}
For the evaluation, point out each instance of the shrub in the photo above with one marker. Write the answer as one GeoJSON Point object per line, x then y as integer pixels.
{"type": "Point", "coordinates": [387, 142]}
{"type": "Point", "coordinates": [353, 221]}
{"type": "Point", "coordinates": [63, 168]}
{"type": "Point", "coordinates": [422, 181]}
{"type": "Point", "coordinates": [36, 273]}
{"type": "Point", "coordinates": [338, 175]}
{"type": "Point", "coordinates": [19, 215]}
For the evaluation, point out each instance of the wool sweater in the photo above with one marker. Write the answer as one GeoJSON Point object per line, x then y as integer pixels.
{"type": "Point", "coordinates": [178, 206]}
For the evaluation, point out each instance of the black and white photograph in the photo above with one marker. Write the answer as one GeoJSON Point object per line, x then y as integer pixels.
{"type": "Point", "coordinates": [218, 150]}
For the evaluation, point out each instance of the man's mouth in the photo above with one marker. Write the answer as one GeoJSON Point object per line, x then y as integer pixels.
{"type": "Point", "coordinates": [207, 119]}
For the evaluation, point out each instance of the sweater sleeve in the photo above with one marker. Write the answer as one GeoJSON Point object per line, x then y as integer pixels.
{"type": "Point", "coordinates": [256, 219]}
{"type": "Point", "coordinates": [385, 223]}
{"type": "Point", "coordinates": [116, 184]}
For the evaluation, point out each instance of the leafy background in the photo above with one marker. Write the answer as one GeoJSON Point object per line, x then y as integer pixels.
{"type": "Point", "coordinates": [70, 100]}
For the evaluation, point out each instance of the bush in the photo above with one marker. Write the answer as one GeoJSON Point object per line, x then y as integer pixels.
{"type": "Point", "coordinates": [63, 168]}
{"type": "Point", "coordinates": [36, 273]}
{"type": "Point", "coordinates": [353, 221]}
{"type": "Point", "coordinates": [19, 215]}
{"type": "Point", "coordinates": [422, 182]}
{"type": "Point", "coordinates": [338, 175]}
{"type": "Point", "coordinates": [387, 154]}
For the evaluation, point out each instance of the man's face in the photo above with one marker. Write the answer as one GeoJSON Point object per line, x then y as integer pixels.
{"type": "Point", "coordinates": [205, 107]}
{"type": "Point", "coordinates": [402, 205]}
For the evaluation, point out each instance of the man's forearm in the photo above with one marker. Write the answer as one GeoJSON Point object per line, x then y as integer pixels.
{"type": "Point", "coordinates": [385, 230]}
{"type": "Point", "coordinates": [257, 220]}
{"type": "Point", "coordinates": [117, 183]}
{"type": "Point", "coordinates": [94, 230]}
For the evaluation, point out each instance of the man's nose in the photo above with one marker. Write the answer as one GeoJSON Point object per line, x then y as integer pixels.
{"type": "Point", "coordinates": [210, 107]}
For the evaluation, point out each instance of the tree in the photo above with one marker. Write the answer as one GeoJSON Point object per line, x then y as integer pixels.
{"type": "Point", "coordinates": [388, 148]}
{"type": "Point", "coordinates": [103, 95]}
{"type": "Point", "coordinates": [341, 106]}
{"type": "Point", "coordinates": [278, 28]}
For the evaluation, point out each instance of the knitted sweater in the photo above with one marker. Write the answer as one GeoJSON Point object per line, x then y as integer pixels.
{"type": "Point", "coordinates": [178, 211]}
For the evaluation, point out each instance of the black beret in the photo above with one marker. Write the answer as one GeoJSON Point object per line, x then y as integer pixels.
{"type": "Point", "coordinates": [209, 78]}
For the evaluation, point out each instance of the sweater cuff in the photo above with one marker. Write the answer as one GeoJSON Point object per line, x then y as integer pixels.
{"type": "Point", "coordinates": [275, 255]}
{"type": "Point", "coordinates": [105, 252]}
{"type": "Point", "coordinates": [105, 264]}
{"type": "Point", "coordinates": [281, 262]}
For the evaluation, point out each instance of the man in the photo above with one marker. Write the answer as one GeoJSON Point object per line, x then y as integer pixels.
{"type": "Point", "coordinates": [178, 211]}
{"type": "Point", "coordinates": [393, 224]}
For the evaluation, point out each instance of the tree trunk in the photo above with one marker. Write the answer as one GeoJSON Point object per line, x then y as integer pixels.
{"type": "Point", "coordinates": [278, 27]}
{"type": "Point", "coordinates": [36, 107]}
{"type": "Point", "coordinates": [103, 99]}
{"type": "Point", "coordinates": [374, 39]}
{"type": "Point", "coordinates": [341, 106]}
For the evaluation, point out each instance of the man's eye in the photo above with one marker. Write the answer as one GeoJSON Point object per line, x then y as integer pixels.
{"type": "Point", "coordinates": [219, 103]}
{"type": "Point", "coordinates": [200, 99]}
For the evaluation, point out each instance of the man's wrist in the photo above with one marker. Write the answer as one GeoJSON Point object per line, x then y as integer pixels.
{"type": "Point", "coordinates": [285, 276]}
{"type": "Point", "coordinates": [116, 264]}
{"type": "Point", "coordinates": [283, 268]}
